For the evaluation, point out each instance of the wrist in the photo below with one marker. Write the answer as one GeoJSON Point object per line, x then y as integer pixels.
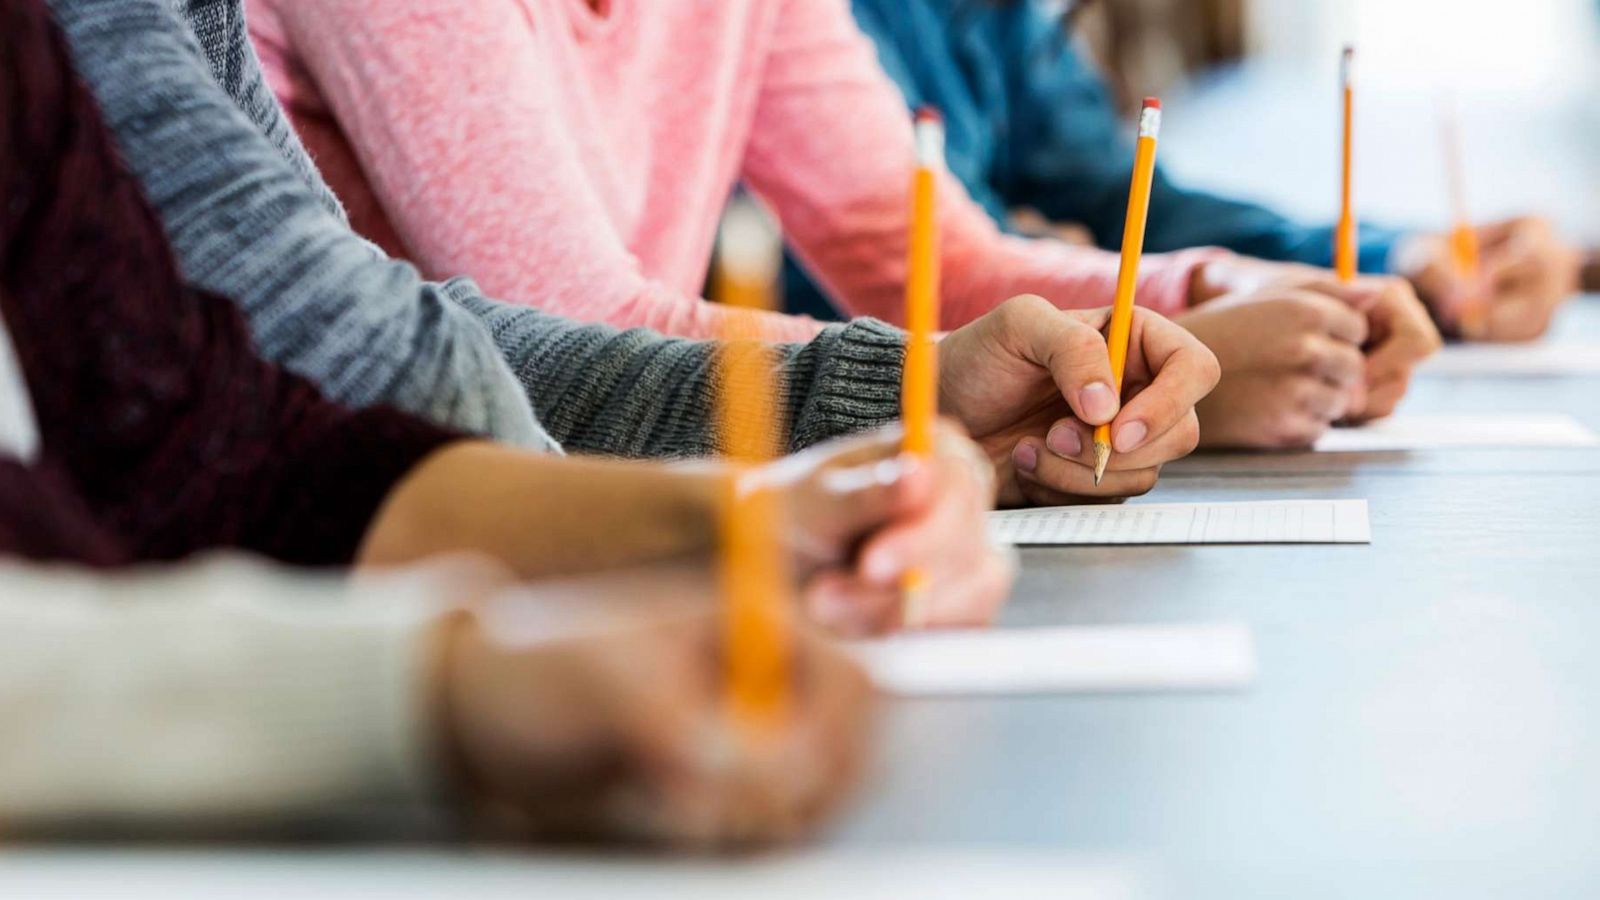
{"type": "Point", "coordinates": [1207, 282]}
{"type": "Point", "coordinates": [454, 640]}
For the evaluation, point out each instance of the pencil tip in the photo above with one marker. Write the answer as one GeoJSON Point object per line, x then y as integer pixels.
{"type": "Point", "coordinates": [1102, 456]}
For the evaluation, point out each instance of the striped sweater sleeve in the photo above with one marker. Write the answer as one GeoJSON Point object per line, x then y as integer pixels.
{"type": "Point", "coordinates": [320, 301]}
{"type": "Point", "coordinates": [596, 388]}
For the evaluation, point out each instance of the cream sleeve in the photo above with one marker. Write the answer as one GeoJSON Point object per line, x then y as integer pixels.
{"type": "Point", "coordinates": [218, 692]}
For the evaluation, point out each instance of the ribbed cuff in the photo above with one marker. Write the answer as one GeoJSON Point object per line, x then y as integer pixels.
{"type": "Point", "coordinates": [845, 380]}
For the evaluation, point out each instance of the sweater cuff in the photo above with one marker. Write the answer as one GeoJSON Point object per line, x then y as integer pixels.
{"type": "Point", "coordinates": [845, 380]}
{"type": "Point", "coordinates": [1168, 288]}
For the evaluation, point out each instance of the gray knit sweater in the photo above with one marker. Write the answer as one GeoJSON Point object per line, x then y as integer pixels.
{"type": "Point", "coordinates": [250, 218]}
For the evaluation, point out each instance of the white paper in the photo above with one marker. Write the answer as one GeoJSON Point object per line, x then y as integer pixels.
{"type": "Point", "coordinates": [939, 873]}
{"type": "Point", "coordinates": [1428, 432]}
{"type": "Point", "coordinates": [1527, 360]}
{"type": "Point", "coordinates": [1266, 522]}
{"type": "Point", "coordinates": [1062, 660]}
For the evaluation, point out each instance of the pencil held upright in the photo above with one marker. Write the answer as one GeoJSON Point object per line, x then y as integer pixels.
{"type": "Point", "coordinates": [1133, 231]}
{"type": "Point", "coordinates": [755, 573]}
{"type": "Point", "coordinates": [919, 395]}
{"type": "Point", "coordinates": [1346, 236]}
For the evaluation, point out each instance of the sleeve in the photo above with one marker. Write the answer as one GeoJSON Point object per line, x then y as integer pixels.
{"type": "Point", "coordinates": [832, 152]}
{"type": "Point", "coordinates": [600, 389]}
{"type": "Point", "coordinates": [511, 205]}
{"type": "Point", "coordinates": [320, 302]}
{"type": "Point", "coordinates": [218, 694]}
{"type": "Point", "coordinates": [1071, 158]}
{"type": "Point", "coordinates": [149, 394]}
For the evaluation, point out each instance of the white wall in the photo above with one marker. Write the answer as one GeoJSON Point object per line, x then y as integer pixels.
{"type": "Point", "coordinates": [1468, 44]}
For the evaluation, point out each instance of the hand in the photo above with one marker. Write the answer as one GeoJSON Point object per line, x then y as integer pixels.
{"type": "Point", "coordinates": [861, 514]}
{"type": "Point", "coordinates": [1029, 222]}
{"type": "Point", "coordinates": [1030, 382]}
{"type": "Point", "coordinates": [615, 729]}
{"type": "Point", "coordinates": [1527, 271]}
{"type": "Point", "coordinates": [1399, 332]}
{"type": "Point", "coordinates": [1291, 367]}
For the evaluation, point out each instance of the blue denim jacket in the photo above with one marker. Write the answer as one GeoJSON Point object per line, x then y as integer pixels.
{"type": "Point", "coordinates": [1031, 123]}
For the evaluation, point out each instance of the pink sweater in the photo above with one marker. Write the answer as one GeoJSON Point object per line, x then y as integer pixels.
{"type": "Point", "coordinates": [579, 160]}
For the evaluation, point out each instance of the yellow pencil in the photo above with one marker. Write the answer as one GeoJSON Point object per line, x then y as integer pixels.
{"type": "Point", "coordinates": [1144, 170]}
{"type": "Point", "coordinates": [1464, 249]}
{"type": "Point", "coordinates": [755, 573]}
{"type": "Point", "coordinates": [919, 395]}
{"type": "Point", "coordinates": [1344, 248]}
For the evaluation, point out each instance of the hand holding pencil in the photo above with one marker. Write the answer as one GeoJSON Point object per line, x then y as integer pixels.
{"type": "Point", "coordinates": [852, 520]}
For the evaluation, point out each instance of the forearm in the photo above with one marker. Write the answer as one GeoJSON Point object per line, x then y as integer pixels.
{"type": "Point", "coordinates": [543, 515]}
{"type": "Point", "coordinates": [220, 693]}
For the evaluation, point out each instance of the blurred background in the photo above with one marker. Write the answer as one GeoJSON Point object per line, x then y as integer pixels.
{"type": "Point", "coordinates": [1251, 95]}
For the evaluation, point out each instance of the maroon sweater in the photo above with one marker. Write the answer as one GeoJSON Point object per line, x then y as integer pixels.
{"type": "Point", "coordinates": [163, 432]}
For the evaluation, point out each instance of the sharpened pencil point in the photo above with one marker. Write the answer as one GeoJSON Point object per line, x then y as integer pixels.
{"type": "Point", "coordinates": [1102, 456]}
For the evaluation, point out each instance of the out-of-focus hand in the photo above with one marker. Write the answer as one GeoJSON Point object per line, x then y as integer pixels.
{"type": "Point", "coordinates": [1400, 334]}
{"type": "Point", "coordinates": [611, 725]}
{"type": "Point", "coordinates": [1591, 271]}
{"type": "Point", "coordinates": [1029, 222]}
{"type": "Point", "coordinates": [1527, 271]}
{"type": "Point", "coordinates": [860, 514]}
{"type": "Point", "coordinates": [1291, 367]}
{"type": "Point", "coordinates": [1030, 382]}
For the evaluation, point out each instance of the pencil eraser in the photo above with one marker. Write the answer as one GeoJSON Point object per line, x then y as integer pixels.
{"type": "Point", "coordinates": [928, 114]}
{"type": "Point", "coordinates": [1152, 103]}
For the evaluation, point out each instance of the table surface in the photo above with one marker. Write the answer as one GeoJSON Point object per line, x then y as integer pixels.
{"type": "Point", "coordinates": [1427, 717]}
{"type": "Point", "coordinates": [1426, 722]}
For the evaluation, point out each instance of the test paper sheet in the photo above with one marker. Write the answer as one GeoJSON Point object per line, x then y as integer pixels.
{"type": "Point", "coordinates": [1526, 360]}
{"type": "Point", "coordinates": [1426, 432]}
{"type": "Point", "coordinates": [1266, 522]}
{"type": "Point", "coordinates": [1062, 660]}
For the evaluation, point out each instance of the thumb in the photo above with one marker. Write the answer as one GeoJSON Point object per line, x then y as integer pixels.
{"type": "Point", "coordinates": [863, 499]}
{"type": "Point", "coordinates": [1071, 350]}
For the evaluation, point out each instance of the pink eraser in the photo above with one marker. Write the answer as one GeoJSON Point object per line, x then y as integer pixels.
{"type": "Point", "coordinates": [928, 114]}
{"type": "Point", "coordinates": [1152, 103]}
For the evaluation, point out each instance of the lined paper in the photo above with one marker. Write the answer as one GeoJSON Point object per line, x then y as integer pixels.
{"type": "Point", "coordinates": [1428, 432]}
{"type": "Point", "coordinates": [1544, 359]}
{"type": "Point", "coordinates": [1265, 522]}
{"type": "Point", "coordinates": [1096, 659]}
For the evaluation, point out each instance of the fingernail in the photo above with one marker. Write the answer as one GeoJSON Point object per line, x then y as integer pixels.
{"type": "Point", "coordinates": [880, 567]}
{"type": "Point", "coordinates": [1130, 436]}
{"type": "Point", "coordinates": [1099, 402]}
{"type": "Point", "coordinates": [1025, 457]}
{"type": "Point", "coordinates": [1064, 441]}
